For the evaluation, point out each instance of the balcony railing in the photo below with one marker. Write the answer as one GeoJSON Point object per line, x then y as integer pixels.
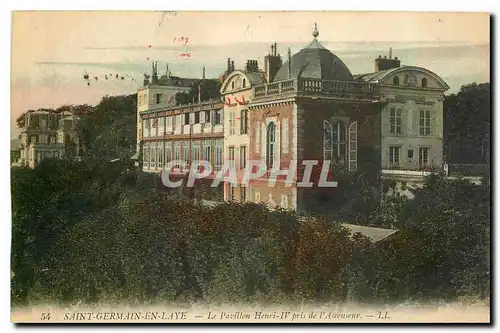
{"type": "Point", "coordinates": [315, 87]}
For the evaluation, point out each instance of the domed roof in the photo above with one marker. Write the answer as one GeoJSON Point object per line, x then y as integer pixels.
{"type": "Point", "coordinates": [315, 62]}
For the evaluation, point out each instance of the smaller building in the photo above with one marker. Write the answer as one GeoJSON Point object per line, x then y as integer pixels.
{"type": "Point", "coordinates": [47, 134]}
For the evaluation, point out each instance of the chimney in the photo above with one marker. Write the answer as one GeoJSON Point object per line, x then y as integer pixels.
{"type": "Point", "coordinates": [167, 72]}
{"type": "Point", "coordinates": [386, 63]}
{"type": "Point", "coordinates": [272, 63]}
{"type": "Point", "coordinates": [228, 65]}
{"type": "Point", "coordinates": [252, 66]}
{"type": "Point", "coordinates": [155, 72]}
{"type": "Point", "coordinates": [203, 72]}
{"type": "Point", "coordinates": [232, 65]}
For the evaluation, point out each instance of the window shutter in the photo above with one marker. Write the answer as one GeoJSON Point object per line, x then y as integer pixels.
{"type": "Point", "coordinates": [257, 136]}
{"type": "Point", "coordinates": [285, 136]}
{"type": "Point", "coordinates": [263, 140]}
{"type": "Point", "coordinates": [433, 124]}
{"type": "Point", "coordinates": [353, 146]}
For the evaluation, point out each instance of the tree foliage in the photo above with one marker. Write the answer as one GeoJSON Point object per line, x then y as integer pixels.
{"type": "Point", "coordinates": [467, 123]}
{"type": "Point", "coordinates": [109, 131]}
{"type": "Point", "coordinates": [209, 89]}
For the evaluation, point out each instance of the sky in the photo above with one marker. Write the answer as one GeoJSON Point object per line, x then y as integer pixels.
{"type": "Point", "coordinates": [52, 51]}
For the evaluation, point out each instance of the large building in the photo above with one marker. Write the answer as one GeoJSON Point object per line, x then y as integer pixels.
{"type": "Point", "coordinates": [309, 106]}
{"type": "Point", "coordinates": [47, 134]}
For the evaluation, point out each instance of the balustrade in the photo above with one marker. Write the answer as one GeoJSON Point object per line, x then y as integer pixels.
{"type": "Point", "coordinates": [340, 89]}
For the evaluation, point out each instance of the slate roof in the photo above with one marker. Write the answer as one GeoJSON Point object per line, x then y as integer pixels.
{"type": "Point", "coordinates": [374, 77]}
{"type": "Point", "coordinates": [256, 78]}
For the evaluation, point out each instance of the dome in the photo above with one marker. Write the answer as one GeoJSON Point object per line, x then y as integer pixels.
{"type": "Point", "coordinates": [315, 62]}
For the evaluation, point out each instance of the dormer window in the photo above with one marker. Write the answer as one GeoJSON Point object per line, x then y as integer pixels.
{"type": "Point", "coordinates": [424, 83]}
{"type": "Point", "coordinates": [244, 83]}
{"type": "Point", "coordinates": [232, 85]}
{"type": "Point", "coordinates": [395, 81]}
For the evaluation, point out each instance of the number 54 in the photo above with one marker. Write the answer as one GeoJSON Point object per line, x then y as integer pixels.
{"type": "Point", "coordinates": [45, 316]}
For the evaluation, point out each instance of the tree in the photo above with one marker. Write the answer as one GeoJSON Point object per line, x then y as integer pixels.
{"type": "Point", "coordinates": [467, 124]}
{"type": "Point", "coordinates": [110, 130]}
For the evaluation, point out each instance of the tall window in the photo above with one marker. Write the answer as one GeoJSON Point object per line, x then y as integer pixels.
{"type": "Point", "coordinates": [161, 126]}
{"type": "Point", "coordinates": [339, 142]}
{"type": "Point", "coordinates": [423, 157]}
{"type": "Point", "coordinates": [230, 194]}
{"type": "Point", "coordinates": [152, 152]}
{"type": "Point", "coordinates": [394, 156]}
{"type": "Point", "coordinates": [218, 154]}
{"type": "Point", "coordinates": [270, 146]}
{"type": "Point", "coordinates": [284, 201]}
{"type": "Point", "coordinates": [243, 194]}
{"type": "Point", "coordinates": [145, 155]}
{"type": "Point", "coordinates": [395, 81]}
{"type": "Point", "coordinates": [207, 146]}
{"type": "Point", "coordinates": [232, 123]}
{"type": "Point", "coordinates": [168, 122]}
{"type": "Point", "coordinates": [158, 98]}
{"type": "Point", "coordinates": [160, 154]}
{"type": "Point", "coordinates": [425, 122]}
{"type": "Point", "coordinates": [154, 126]}
{"type": "Point", "coordinates": [195, 150]}
{"type": "Point", "coordinates": [186, 152]}
{"type": "Point", "coordinates": [334, 141]}
{"type": "Point", "coordinates": [168, 151]}
{"type": "Point", "coordinates": [424, 83]}
{"type": "Point", "coordinates": [145, 127]}
{"type": "Point", "coordinates": [177, 150]}
{"type": "Point", "coordinates": [216, 117]}
{"type": "Point", "coordinates": [244, 122]}
{"type": "Point", "coordinates": [396, 121]}
{"type": "Point", "coordinates": [243, 157]}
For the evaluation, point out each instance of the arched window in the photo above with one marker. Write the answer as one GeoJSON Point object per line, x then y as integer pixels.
{"type": "Point", "coordinates": [339, 142]}
{"type": "Point", "coordinates": [395, 81]}
{"type": "Point", "coordinates": [424, 83]}
{"type": "Point", "coordinates": [334, 142]}
{"type": "Point", "coordinates": [244, 83]}
{"type": "Point", "coordinates": [270, 144]}
{"type": "Point", "coordinates": [232, 85]}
